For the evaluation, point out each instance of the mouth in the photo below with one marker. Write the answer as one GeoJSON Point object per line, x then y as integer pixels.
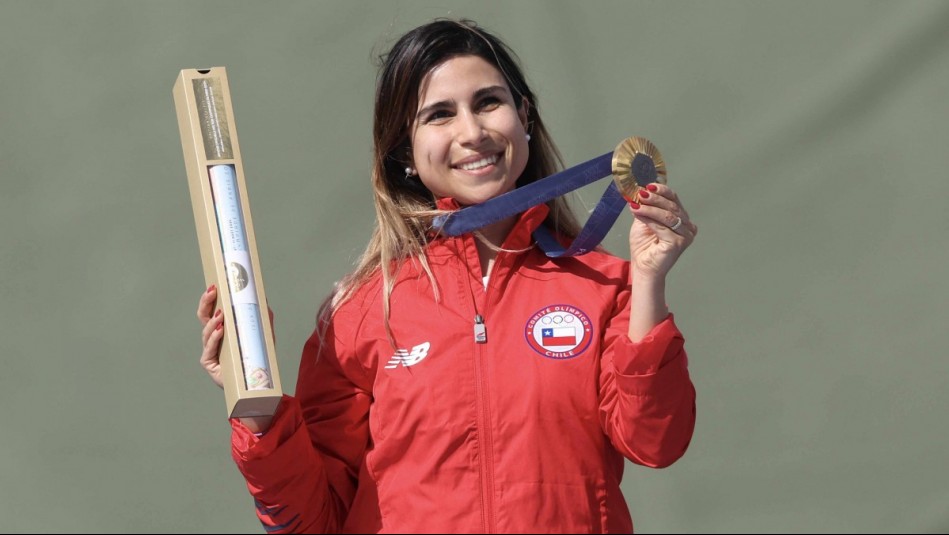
{"type": "Point", "coordinates": [478, 163]}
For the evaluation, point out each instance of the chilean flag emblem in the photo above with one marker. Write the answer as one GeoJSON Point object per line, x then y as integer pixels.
{"type": "Point", "coordinates": [559, 336]}
{"type": "Point", "coordinates": [559, 332]}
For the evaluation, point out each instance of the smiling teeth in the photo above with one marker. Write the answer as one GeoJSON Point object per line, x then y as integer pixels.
{"type": "Point", "coordinates": [484, 162]}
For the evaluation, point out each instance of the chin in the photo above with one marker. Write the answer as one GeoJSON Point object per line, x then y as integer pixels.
{"type": "Point", "coordinates": [480, 197]}
{"type": "Point", "coordinates": [468, 201]}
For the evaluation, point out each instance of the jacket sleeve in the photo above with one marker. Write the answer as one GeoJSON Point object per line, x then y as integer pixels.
{"type": "Point", "coordinates": [302, 472]}
{"type": "Point", "coordinates": [647, 400]}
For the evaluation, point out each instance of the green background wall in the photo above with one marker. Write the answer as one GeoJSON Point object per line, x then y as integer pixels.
{"type": "Point", "coordinates": [808, 140]}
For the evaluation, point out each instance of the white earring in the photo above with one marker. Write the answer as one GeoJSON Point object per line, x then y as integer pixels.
{"type": "Point", "coordinates": [409, 172]}
{"type": "Point", "coordinates": [527, 136]}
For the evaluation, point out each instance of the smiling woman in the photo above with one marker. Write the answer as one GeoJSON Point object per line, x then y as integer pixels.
{"type": "Point", "coordinates": [469, 140]}
{"type": "Point", "coordinates": [444, 368]}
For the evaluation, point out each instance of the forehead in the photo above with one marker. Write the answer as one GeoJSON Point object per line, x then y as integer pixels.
{"type": "Point", "coordinates": [458, 77]}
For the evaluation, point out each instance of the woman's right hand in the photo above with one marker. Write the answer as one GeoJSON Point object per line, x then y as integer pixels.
{"type": "Point", "coordinates": [213, 332]}
{"type": "Point", "coordinates": [211, 336]}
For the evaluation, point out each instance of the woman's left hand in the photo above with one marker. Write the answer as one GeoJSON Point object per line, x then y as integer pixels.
{"type": "Point", "coordinates": [661, 231]}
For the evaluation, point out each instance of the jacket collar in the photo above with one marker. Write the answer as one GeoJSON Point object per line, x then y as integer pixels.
{"type": "Point", "coordinates": [526, 224]}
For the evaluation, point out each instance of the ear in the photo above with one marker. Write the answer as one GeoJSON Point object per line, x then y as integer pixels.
{"type": "Point", "coordinates": [409, 160]}
{"type": "Point", "coordinates": [523, 112]}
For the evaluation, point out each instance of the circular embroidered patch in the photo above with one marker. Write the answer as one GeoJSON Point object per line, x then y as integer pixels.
{"type": "Point", "coordinates": [559, 331]}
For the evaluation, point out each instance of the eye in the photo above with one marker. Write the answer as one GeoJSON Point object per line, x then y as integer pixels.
{"type": "Point", "coordinates": [489, 103]}
{"type": "Point", "coordinates": [437, 116]}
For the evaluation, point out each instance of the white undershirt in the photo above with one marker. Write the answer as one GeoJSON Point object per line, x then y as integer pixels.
{"type": "Point", "coordinates": [485, 279]}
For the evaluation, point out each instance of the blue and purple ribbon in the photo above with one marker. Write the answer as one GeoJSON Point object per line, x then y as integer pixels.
{"type": "Point", "coordinates": [514, 202]}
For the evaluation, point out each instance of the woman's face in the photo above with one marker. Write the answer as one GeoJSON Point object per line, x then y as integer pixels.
{"type": "Point", "coordinates": [468, 137]}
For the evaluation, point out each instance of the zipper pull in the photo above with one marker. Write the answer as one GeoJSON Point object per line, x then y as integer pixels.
{"type": "Point", "coordinates": [480, 331]}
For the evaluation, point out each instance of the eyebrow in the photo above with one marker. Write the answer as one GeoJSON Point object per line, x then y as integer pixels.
{"type": "Point", "coordinates": [447, 103]}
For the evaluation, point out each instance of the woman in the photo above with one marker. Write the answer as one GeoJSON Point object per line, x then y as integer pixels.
{"type": "Point", "coordinates": [473, 384]}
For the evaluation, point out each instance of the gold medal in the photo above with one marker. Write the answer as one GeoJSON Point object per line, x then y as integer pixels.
{"type": "Point", "coordinates": [636, 164]}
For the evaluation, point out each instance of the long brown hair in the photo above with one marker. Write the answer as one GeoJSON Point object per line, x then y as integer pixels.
{"type": "Point", "coordinates": [404, 206]}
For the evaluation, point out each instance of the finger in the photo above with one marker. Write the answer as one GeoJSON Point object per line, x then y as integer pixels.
{"type": "Point", "coordinates": [661, 222]}
{"type": "Point", "coordinates": [206, 304]}
{"type": "Point", "coordinates": [213, 324]}
{"type": "Point", "coordinates": [662, 231]}
{"type": "Point", "coordinates": [211, 356]}
{"type": "Point", "coordinates": [665, 197]}
{"type": "Point", "coordinates": [212, 346]}
{"type": "Point", "coordinates": [659, 215]}
{"type": "Point", "coordinates": [662, 196]}
{"type": "Point", "coordinates": [655, 199]}
{"type": "Point", "coordinates": [663, 190]}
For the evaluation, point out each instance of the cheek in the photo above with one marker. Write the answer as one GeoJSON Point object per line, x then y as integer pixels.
{"type": "Point", "coordinates": [519, 161]}
{"type": "Point", "coordinates": [521, 148]}
{"type": "Point", "coordinates": [511, 125]}
{"type": "Point", "coordinates": [433, 187]}
{"type": "Point", "coordinates": [429, 148]}
{"type": "Point", "coordinates": [512, 130]}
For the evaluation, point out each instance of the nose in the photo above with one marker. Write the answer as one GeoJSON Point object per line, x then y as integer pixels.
{"type": "Point", "coordinates": [470, 129]}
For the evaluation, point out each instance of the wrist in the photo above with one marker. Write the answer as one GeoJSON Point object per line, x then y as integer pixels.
{"type": "Point", "coordinates": [646, 279]}
{"type": "Point", "coordinates": [647, 304]}
{"type": "Point", "coordinates": [258, 424]}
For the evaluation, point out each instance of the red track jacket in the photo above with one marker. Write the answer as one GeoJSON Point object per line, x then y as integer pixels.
{"type": "Point", "coordinates": [525, 431]}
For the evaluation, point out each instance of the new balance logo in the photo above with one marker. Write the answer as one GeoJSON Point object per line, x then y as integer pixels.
{"type": "Point", "coordinates": [409, 358]}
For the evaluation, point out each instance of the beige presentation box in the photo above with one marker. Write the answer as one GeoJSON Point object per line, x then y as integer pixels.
{"type": "Point", "coordinates": [226, 239]}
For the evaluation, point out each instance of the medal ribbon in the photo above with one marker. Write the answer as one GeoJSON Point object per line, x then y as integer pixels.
{"type": "Point", "coordinates": [516, 201]}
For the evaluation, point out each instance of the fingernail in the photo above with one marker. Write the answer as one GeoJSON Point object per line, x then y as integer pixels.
{"type": "Point", "coordinates": [643, 194]}
{"type": "Point", "coordinates": [652, 187]}
{"type": "Point", "coordinates": [634, 206]}
{"type": "Point", "coordinates": [218, 313]}
{"type": "Point", "coordinates": [210, 288]}
{"type": "Point", "coordinates": [219, 327]}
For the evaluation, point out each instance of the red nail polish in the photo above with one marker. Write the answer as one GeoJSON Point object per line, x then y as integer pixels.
{"type": "Point", "coordinates": [633, 205]}
{"type": "Point", "coordinates": [219, 327]}
{"type": "Point", "coordinates": [652, 187]}
{"type": "Point", "coordinates": [210, 288]}
{"type": "Point", "coordinates": [218, 313]}
{"type": "Point", "coordinates": [644, 194]}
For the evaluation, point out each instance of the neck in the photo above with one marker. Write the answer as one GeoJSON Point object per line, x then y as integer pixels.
{"type": "Point", "coordinates": [494, 234]}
